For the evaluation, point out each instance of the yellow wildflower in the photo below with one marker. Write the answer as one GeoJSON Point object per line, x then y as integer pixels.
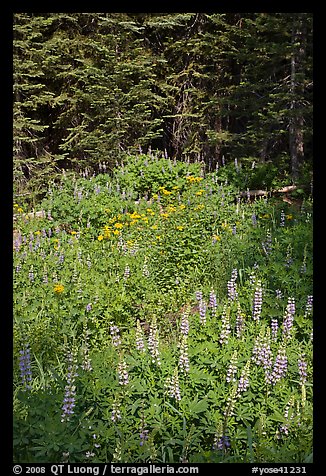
{"type": "Point", "coordinates": [135, 215]}
{"type": "Point", "coordinates": [216, 237]}
{"type": "Point", "coordinates": [289, 217]}
{"type": "Point", "coordinates": [165, 215]}
{"type": "Point", "coordinates": [58, 288]}
{"type": "Point", "coordinates": [154, 227]}
{"type": "Point", "coordinates": [100, 237]}
{"type": "Point", "coordinates": [73, 232]}
{"type": "Point", "coordinates": [180, 228]}
{"type": "Point", "coordinates": [37, 232]}
{"type": "Point", "coordinates": [182, 206]}
{"type": "Point", "coordinates": [166, 192]}
{"type": "Point", "coordinates": [200, 192]}
{"type": "Point", "coordinates": [118, 225]}
{"type": "Point", "coordinates": [158, 237]}
{"type": "Point", "coordinates": [20, 210]}
{"type": "Point", "coordinates": [116, 232]}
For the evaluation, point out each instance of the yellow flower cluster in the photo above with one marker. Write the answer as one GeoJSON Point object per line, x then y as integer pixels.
{"type": "Point", "coordinates": [192, 179]}
{"type": "Point", "coordinates": [18, 208]}
{"type": "Point", "coordinates": [58, 288]}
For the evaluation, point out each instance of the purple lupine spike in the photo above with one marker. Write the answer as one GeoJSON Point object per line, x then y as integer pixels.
{"type": "Point", "coordinates": [243, 384]}
{"type": "Point", "coordinates": [257, 302]}
{"type": "Point", "coordinates": [184, 325]}
{"type": "Point", "coordinates": [212, 302]}
{"type": "Point", "coordinates": [280, 366]}
{"type": "Point", "coordinates": [153, 342]}
{"type": "Point", "coordinates": [115, 334]}
{"type": "Point", "coordinates": [123, 373]}
{"type": "Point", "coordinates": [240, 323]}
{"type": "Point", "coordinates": [226, 330]}
{"type": "Point", "coordinates": [202, 312]}
{"type": "Point", "coordinates": [184, 359]}
{"type": "Point", "coordinates": [70, 388]}
{"type": "Point", "coordinates": [302, 365]}
{"type": "Point", "coordinates": [173, 386]}
{"type": "Point", "coordinates": [139, 338]}
{"type": "Point", "coordinates": [232, 286]}
{"type": "Point", "coordinates": [289, 318]}
{"type": "Point", "coordinates": [274, 328]}
{"type": "Point", "coordinates": [25, 366]}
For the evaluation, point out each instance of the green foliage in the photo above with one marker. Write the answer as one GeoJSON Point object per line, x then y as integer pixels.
{"type": "Point", "coordinates": [133, 250]}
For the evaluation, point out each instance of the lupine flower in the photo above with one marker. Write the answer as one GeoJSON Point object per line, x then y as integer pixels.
{"type": "Point", "coordinates": [253, 217]}
{"type": "Point", "coordinates": [202, 312]}
{"type": "Point", "coordinates": [232, 287]}
{"type": "Point", "coordinates": [145, 270]}
{"type": "Point", "coordinates": [86, 365]}
{"type": "Point", "coordinates": [221, 443]}
{"type": "Point", "coordinates": [153, 342]}
{"type": "Point", "coordinates": [199, 295]}
{"type": "Point", "coordinates": [289, 259]}
{"type": "Point", "coordinates": [232, 369]}
{"type": "Point", "coordinates": [212, 302]}
{"type": "Point", "coordinates": [309, 306]}
{"type": "Point", "coordinates": [115, 334]}
{"type": "Point", "coordinates": [139, 338]}
{"type": "Point", "coordinates": [244, 379]}
{"type": "Point", "coordinates": [267, 245]}
{"type": "Point", "coordinates": [45, 277]}
{"type": "Point", "coordinates": [274, 328]}
{"type": "Point", "coordinates": [303, 268]}
{"type": "Point", "coordinates": [70, 388]}
{"type": "Point", "coordinates": [262, 354]}
{"type": "Point", "coordinates": [184, 359]}
{"type": "Point", "coordinates": [31, 274]}
{"type": "Point", "coordinates": [257, 302]}
{"type": "Point", "coordinates": [285, 427]}
{"type": "Point", "coordinates": [126, 273]}
{"type": "Point", "coordinates": [115, 414]}
{"type": "Point", "coordinates": [282, 221]}
{"type": "Point", "coordinates": [279, 294]}
{"type": "Point", "coordinates": [279, 368]}
{"type": "Point", "coordinates": [88, 307]}
{"type": "Point", "coordinates": [288, 318]}
{"type": "Point", "coordinates": [239, 323]}
{"type": "Point", "coordinates": [302, 365]}
{"type": "Point", "coordinates": [172, 385]}
{"type": "Point", "coordinates": [143, 435]}
{"type": "Point", "coordinates": [184, 325]}
{"type": "Point", "coordinates": [25, 366]}
{"type": "Point", "coordinates": [225, 331]}
{"type": "Point", "coordinates": [123, 373]}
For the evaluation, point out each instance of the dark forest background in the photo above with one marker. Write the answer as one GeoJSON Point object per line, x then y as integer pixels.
{"type": "Point", "coordinates": [94, 88]}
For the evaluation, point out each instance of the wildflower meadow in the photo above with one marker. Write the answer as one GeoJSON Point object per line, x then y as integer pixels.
{"type": "Point", "coordinates": [159, 316]}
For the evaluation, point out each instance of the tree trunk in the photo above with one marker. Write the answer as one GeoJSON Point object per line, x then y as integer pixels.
{"type": "Point", "coordinates": [296, 142]}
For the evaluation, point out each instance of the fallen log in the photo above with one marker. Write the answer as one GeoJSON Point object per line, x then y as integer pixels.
{"type": "Point", "coordinates": [265, 193]}
{"type": "Point", "coordinates": [39, 214]}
